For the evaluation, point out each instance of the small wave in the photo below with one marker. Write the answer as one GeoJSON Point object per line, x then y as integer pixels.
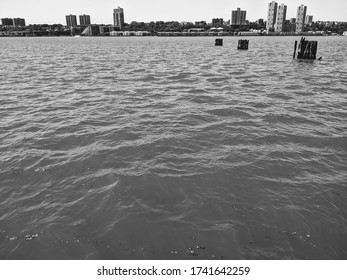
{"type": "Point", "coordinates": [229, 112]}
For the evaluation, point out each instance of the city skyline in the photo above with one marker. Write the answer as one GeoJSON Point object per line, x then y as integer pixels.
{"type": "Point", "coordinates": [157, 10]}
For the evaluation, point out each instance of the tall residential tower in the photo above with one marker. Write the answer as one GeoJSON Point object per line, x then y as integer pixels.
{"type": "Point", "coordinates": [280, 18]}
{"type": "Point", "coordinates": [118, 17]}
{"type": "Point", "coordinates": [300, 18]}
{"type": "Point", "coordinates": [85, 20]}
{"type": "Point", "coordinates": [271, 16]}
{"type": "Point", "coordinates": [238, 17]}
{"type": "Point", "coordinates": [71, 20]}
{"type": "Point", "coordinates": [7, 21]}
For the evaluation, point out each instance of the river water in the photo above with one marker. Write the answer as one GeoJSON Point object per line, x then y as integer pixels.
{"type": "Point", "coordinates": [172, 148]}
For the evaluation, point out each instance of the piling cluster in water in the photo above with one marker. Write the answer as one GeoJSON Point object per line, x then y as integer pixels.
{"type": "Point", "coordinates": [243, 45]}
{"type": "Point", "coordinates": [306, 49]}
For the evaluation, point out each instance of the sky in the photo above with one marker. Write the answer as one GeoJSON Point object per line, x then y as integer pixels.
{"type": "Point", "coordinates": [100, 11]}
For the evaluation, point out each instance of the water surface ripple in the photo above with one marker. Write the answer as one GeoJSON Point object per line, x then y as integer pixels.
{"type": "Point", "coordinates": [172, 148]}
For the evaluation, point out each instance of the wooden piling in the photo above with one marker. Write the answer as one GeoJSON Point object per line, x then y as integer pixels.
{"type": "Point", "coordinates": [295, 45]}
{"type": "Point", "coordinates": [219, 42]}
{"type": "Point", "coordinates": [243, 45]}
{"type": "Point", "coordinates": [306, 49]}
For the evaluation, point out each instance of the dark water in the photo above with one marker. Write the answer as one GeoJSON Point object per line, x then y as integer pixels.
{"type": "Point", "coordinates": [172, 148]}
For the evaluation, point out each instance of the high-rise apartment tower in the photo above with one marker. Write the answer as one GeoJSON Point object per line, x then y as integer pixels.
{"type": "Point", "coordinates": [118, 17]}
{"type": "Point", "coordinates": [19, 21]}
{"type": "Point", "coordinates": [7, 21]}
{"type": "Point", "coordinates": [271, 15]}
{"type": "Point", "coordinates": [280, 18]}
{"type": "Point", "coordinates": [71, 20]}
{"type": "Point", "coordinates": [238, 17]}
{"type": "Point", "coordinates": [84, 20]}
{"type": "Point", "coordinates": [300, 18]}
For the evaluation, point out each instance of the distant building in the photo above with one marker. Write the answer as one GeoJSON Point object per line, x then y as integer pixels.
{"type": "Point", "coordinates": [118, 17]}
{"type": "Point", "coordinates": [238, 17]}
{"type": "Point", "coordinates": [104, 30]}
{"type": "Point", "coordinates": [84, 20]}
{"type": "Point", "coordinates": [19, 21]}
{"type": "Point", "coordinates": [7, 21]}
{"type": "Point", "coordinates": [200, 23]}
{"type": "Point", "coordinates": [300, 18]}
{"type": "Point", "coordinates": [217, 22]}
{"type": "Point", "coordinates": [309, 20]}
{"type": "Point", "coordinates": [280, 18]}
{"type": "Point", "coordinates": [271, 15]}
{"type": "Point", "coordinates": [113, 28]}
{"type": "Point", "coordinates": [91, 30]}
{"type": "Point", "coordinates": [71, 20]}
{"type": "Point", "coordinates": [289, 27]}
{"type": "Point", "coordinates": [260, 21]}
{"type": "Point", "coordinates": [196, 30]}
{"type": "Point", "coordinates": [292, 20]}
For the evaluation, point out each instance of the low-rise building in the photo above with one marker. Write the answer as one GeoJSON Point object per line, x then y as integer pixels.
{"type": "Point", "coordinates": [217, 22]}
{"type": "Point", "coordinates": [308, 20]}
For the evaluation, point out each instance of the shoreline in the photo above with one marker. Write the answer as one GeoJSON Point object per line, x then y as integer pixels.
{"type": "Point", "coordinates": [171, 34]}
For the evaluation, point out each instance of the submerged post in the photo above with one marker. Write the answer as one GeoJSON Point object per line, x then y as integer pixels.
{"type": "Point", "coordinates": [219, 42]}
{"type": "Point", "coordinates": [306, 49]}
{"type": "Point", "coordinates": [243, 45]}
{"type": "Point", "coordinates": [295, 45]}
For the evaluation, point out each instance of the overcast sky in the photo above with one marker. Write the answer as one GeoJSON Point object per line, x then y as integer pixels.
{"type": "Point", "coordinates": [100, 11]}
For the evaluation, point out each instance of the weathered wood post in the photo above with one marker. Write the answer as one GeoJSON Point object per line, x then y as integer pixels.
{"type": "Point", "coordinates": [219, 42]}
{"type": "Point", "coordinates": [295, 45]}
{"type": "Point", "coordinates": [306, 49]}
{"type": "Point", "coordinates": [243, 45]}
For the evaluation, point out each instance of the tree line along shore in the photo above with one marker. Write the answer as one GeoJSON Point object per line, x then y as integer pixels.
{"type": "Point", "coordinates": [172, 28]}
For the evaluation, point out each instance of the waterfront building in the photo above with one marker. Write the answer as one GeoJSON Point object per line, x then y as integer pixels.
{"type": "Point", "coordinates": [196, 30]}
{"type": "Point", "coordinates": [280, 18]}
{"type": "Point", "coordinates": [271, 16]}
{"type": "Point", "coordinates": [103, 30]}
{"type": "Point", "coordinates": [300, 18]}
{"type": "Point", "coordinates": [91, 30]}
{"type": "Point", "coordinates": [309, 20]}
{"type": "Point", "coordinates": [71, 20]}
{"type": "Point", "coordinates": [113, 28]}
{"type": "Point", "coordinates": [19, 21]}
{"type": "Point", "coordinates": [142, 33]}
{"type": "Point", "coordinates": [118, 17]}
{"type": "Point", "coordinates": [238, 17]}
{"type": "Point", "coordinates": [217, 22]}
{"type": "Point", "coordinates": [7, 21]}
{"type": "Point", "coordinates": [84, 20]}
